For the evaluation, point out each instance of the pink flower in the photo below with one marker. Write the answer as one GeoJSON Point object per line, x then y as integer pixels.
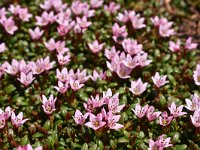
{"type": "Point", "coordinates": [132, 47]}
{"type": "Point", "coordinates": [75, 84]}
{"type": "Point", "coordinates": [194, 104]}
{"type": "Point", "coordinates": [158, 80]}
{"type": "Point", "coordinates": [151, 115]}
{"type": "Point", "coordinates": [165, 29]}
{"type": "Point", "coordinates": [196, 118]}
{"type": "Point", "coordinates": [24, 14]}
{"type": "Point", "coordinates": [97, 75]}
{"type": "Point", "coordinates": [77, 7]}
{"type": "Point", "coordinates": [36, 33]}
{"type": "Point", "coordinates": [79, 118]}
{"type": "Point", "coordinates": [62, 88]}
{"type": "Point", "coordinates": [196, 75]}
{"type": "Point", "coordinates": [156, 21]}
{"type": "Point", "coordinates": [29, 147]}
{"type": "Point", "coordinates": [189, 45]}
{"type": "Point", "coordinates": [96, 3]}
{"type": "Point", "coordinates": [83, 23]}
{"type": "Point", "coordinates": [65, 28]}
{"type": "Point", "coordinates": [45, 18]}
{"type": "Point", "coordinates": [136, 20]}
{"type": "Point", "coordinates": [113, 105]}
{"type": "Point", "coordinates": [60, 47]}
{"type": "Point", "coordinates": [9, 25]}
{"type": "Point", "coordinates": [2, 121]}
{"type": "Point", "coordinates": [138, 87]}
{"type": "Point", "coordinates": [87, 12]}
{"type": "Point", "coordinates": [50, 45]}
{"type": "Point", "coordinates": [119, 33]}
{"type": "Point", "coordinates": [95, 122]}
{"type": "Point", "coordinates": [142, 59]}
{"type": "Point", "coordinates": [110, 54]}
{"type": "Point", "coordinates": [48, 105]}
{"type": "Point", "coordinates": [176, 112]}
{"type": "Point", "coordinates": [164, 119]}
{"type": "Point", "coordinates": [26, 79]}
{"type": "Point", "coordinates": [13, 68]}
{"type": "Point", "coordinates": [2, 47]}
{"type": "Point", "coordinates": [17, 120]}
{"type": "Point", "coordinates": [7, 113]}
{"type": "Point", "coordinates": [3, 12]}
{"type": "Point", "coordinates": [140, 111]}
{"type": "Point", "coordinates": [46, 64]}
{"type": "Point", "coordinates": [63, 60]}
{"type": "Point", "coordinates": [14, 9]}
{"type": "Point", "coordinates": [112, 121]}
{"type": "Point", "coordinates": [95, 47]}
{"type": "Point", "coordinates": [46, 5]}
{"type": "Point", "coordinates": [93, 103]}
{"type": "Point", "coordinates": [112, 7]}
{"type": "Point", "coordinates": [175, 47]}
{"type": "Point", "coordinates": [37, 68]}
{"type": "Point", "coordinates": [123, 71]}
{"type": "Point", "coordinates": [123, 17]}
{"type": "Point", "coordinates": [23, 67]}
{"type": "Point", "coordinates": [130, 62]}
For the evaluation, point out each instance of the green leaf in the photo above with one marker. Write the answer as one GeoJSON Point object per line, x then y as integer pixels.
{"type": "Point", "coordinates": [10, 88]}
{"type": "Point", "coordinates": [123, 140]}
{"type": "Point", "coordinates": [38, 135]}
{"type": "Point", "coordinates": [85, 146]}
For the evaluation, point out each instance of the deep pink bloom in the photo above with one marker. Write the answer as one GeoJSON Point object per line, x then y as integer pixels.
{"type": "Point", "coordinates": [175, 46]}
{"type": "Point", "coordinates": [95, 122]}
{"type": "Point", "coordinates": [112, 121]}
{"type": "Point", "coordinates": [9, 25]}
{"type": "Point", "coordinates": [196, 118]}
{"type": "Point", "coordinates": [48, 105]}
{"type": "Point", "coordinates": [62, 87]}
{"type": "Point", "coordinates": [189, 45]}
{"type": "Point", "coordinates": [140, 111]}
{"type": "Point", "coordinates": [63, 60]}
{"type": "Point", "coordinates": [176, 112]}
{"type": "Point", "coordinates": [164, 119]}
{"type": "Point", "coordinates": [36, 33]}
{"type": "Point", "coordinates": [26, 79]}
{"type": "Point", "coordinates": [95, 47]}
{"type": "Point", "coordinates": [79, 118]}
{"type": "Point", "coordinates": [151, 115]}
{"type": "Point", "coordinates": [2, 47]}
{"type": "Point", "coordinates": [17, 120]}
{"type": "Point", "coordinates": [194, 104]}
{"type": "Point", "coordinates": [196, 75]}
{"type": "Point", "coordinates": [158, 80]}
{"type": "Point", "coordinates": [138, 87]}
{"type": "Point", "coordinates": [132, 47]}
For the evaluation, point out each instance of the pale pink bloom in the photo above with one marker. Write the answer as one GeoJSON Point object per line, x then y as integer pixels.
{"type": "Point", "coordinates": [63, 60]}
{"type": "Point", "coordinates": [14, 9]}
{"type": "Point", "coordinates": [64, 29]}
{"type": "Point", "coordinates": [175, 46]}
{"type": "Point", "coordinates": [138, 87]}
{"type": "Point", "coordinates": [50, 45]}
{"type": "Point", "coordinates": [112, 7]}
{"type": "Point", "coordinates": [36, 33]}
{"type": "Point", "coordinates": [46, 5]}
{"type": "Point", "coordinates": [110, 54]}
{"type": "Point", "coordinates": [119, 33]}
{"type": "Point", "coordinates": [29, 147]}
{"type": "Point", "coordinates": [13, 68]}
{"type": "Point", "coordinates": [3, 12]}
{"type": "Point", "coordinates": [9, 25]}
{"type": "Point", "coordinates": [63, 75]}
{"type": "Point", "coordinates": [2, 69]}
{"type": "Point", "coordinates": [2, 47]}
{"type": "Point", "coordinates": [123, 71]}
{"type": "Point", "coordinates": [62, 87]}
{"type": "Point", "coordinates": [79, 118]}
{"type": "Point", "coordinates": [23, 67]}
{"type": "Point", "coordinates": [2, 121]}
{"type": "Point", "coordinates": [96, 3]}
{"type": "Point", "coordinates": [64, 18]}
{"type": "Point", "coordinates": [108, 95]}
{"type": "Point", "coordinates": [46, 64]}
{"type": "Point", "coordinates": [142, 59]}
{"type": "Point", "coordinates": [60, 47]}
{"type": "Point", "coordinates": [154, 145]}
{"type": "Point", "coordinates": [45, 18]}
{"type": "Point", "coordinates": [24, 15]}
{"type": "Point", "coordinates": [77, 29]}
{"type": "Point", "coordinates": [165, 29]}
{"type": "Point", "coordinates": [155, 20]}
{"type": "Point", "coordinates": [97, 75]}
{"type": "Point", "coordinates": [196, 118]}
{"type": "Point", "coordinates": [26, 79]}
{"type": "Point", "coordinates": [176, 112]}
{"type": "Point", "coordinates": [196, 75]}
{"type": "Point", "coordinates": [130, 62]}
{"type": "Point", "coordinates": [82, 75]}
{"type": "Point", "coordinates": [113, 105]}
{"type": "Point", "coordinates": [87, 12]}
{"type": "Point", "coordinates": [160, 144]}
{"type": "Point", "coordinates": [48, 105]}
{"type": "Point", "coordinates": [189, 45]}
{"type": "Point", "coordinates": [75, 84]}
{"type": "Point", "coordinates": [132, 47]}
{"type": "Point", "coordinates": [151, 115]}
{"type": "Point", "coordinates": [123, 17]}
{"type": "Point", "coordinates": [158, 80]}
{"type": "Point", "coordinates": [194, 104]}
{"type": "Point", "coordinates": [6, 115]}
{"type": "Point", "coordinates": [93, 103]}
{"type": "Point", "coordinates": [36, 68]}
{"type": "Point", "coordinates": [136, 20]}
{"type": "Point", "coordinates": [83, 23]}
{"type": "Point", "coordinates": [18, 120]}
{"type": "Point", "coordinates": [140, 111]}
{"type": "Point", "coordinates": [77, 7]}
{"type": "Point", "coordinates": [164, 119]}
{"type": "Point", "coordinates": [112, 121]}
{"type": "Point", "coordinates": [95, 122]}
{"type": "Point", "coordinates": [95, 47]}
{"type": "Point", "coordinates": [58, 5]}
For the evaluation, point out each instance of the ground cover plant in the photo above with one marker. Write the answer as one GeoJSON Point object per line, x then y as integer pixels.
{"type": "Point", "coordinates": [99, 74]}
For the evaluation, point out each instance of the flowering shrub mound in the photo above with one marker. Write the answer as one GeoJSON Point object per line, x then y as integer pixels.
{"type": "Point", "coordinates": [99, 75]}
